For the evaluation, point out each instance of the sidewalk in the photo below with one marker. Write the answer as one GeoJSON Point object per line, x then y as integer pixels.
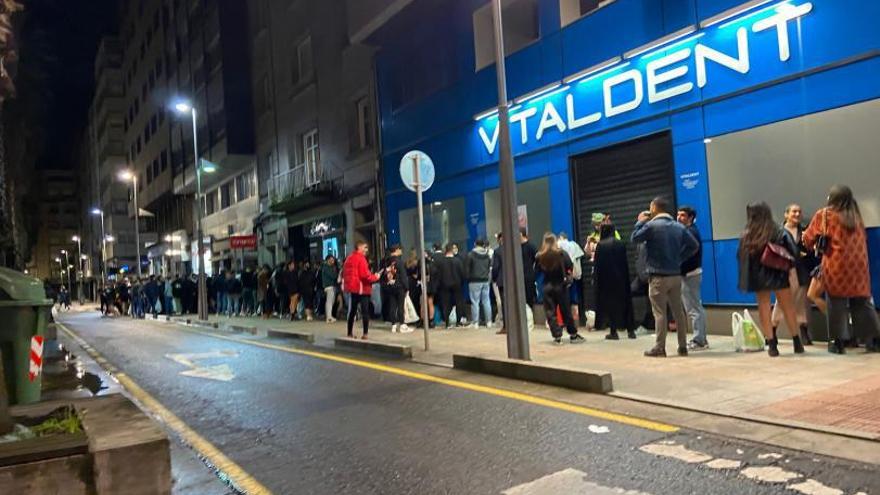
{"type": "Point", "coordinates": [818, 390]}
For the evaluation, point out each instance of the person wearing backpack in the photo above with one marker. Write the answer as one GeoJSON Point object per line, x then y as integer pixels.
{"type": "Point", "coordinates": [575, 254]}
{"type": "Point", "coordinates": [395, 285]}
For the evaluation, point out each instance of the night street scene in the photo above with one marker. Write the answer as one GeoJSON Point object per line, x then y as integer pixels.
{"type": "Point", "coordinates": [453, 247]}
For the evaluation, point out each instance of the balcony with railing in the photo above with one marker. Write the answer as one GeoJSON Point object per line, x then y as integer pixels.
{"type": "Point", "coordinates": [300, 187]}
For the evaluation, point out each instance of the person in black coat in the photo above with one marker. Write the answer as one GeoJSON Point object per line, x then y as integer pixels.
{"type": "Point", "coordinates": [613, 298]}
{"type": "Point", "coordinates": [306, 283]}
{"type": "Point", "coordinates": [450, 276]}
{"type": "Point", "coordinates": [395, 284]}
{"type": "Point", "coordinates": [529, 253]}
{"type": "Point", "coordinates": [291, 282]}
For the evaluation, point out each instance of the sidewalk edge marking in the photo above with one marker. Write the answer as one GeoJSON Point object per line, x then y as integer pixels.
{"type": "Point", "coordinates": [484, 389]}
{"type": "Point", "coordinates": [238, 477]}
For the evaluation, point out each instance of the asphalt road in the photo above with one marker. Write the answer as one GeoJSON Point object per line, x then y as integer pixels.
{"type": "Point", "coordinates": [301, 424]}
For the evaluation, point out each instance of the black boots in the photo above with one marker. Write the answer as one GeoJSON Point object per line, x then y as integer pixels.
{"type": "Point", "coordinates": [773, 344]}
{"type": "Point", "coordinates": [873, 345]}
{"type": "Point", "coordinates": [798, 346]}
{"type": "Point", "coordinates": [836, 347]}
{"type": "Point", "coordinates": [805, 335]}
{"type": "Point", "coordinates": [773, 347]}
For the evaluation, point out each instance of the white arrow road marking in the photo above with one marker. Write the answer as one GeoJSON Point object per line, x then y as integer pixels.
{"type": "Point", "coordinates": [566, 481]}
{"type": "Point", "coordinates": [220, 372]}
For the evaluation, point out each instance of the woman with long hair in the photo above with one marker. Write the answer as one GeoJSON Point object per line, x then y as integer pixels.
{"type": "Point", "coordinates": [845, 271]}
{"type": "Point", "coordinates": [800, 276]}
{"type": "Point", "coordinates": [556, 266]}
{"type": "Point", "coordinates": [755, 276]}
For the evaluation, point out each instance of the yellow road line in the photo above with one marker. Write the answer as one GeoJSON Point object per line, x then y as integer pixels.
{"type": "Point", "coordinates": [239, 478]}
{"type": "Point", "coordinates": [531, 399]}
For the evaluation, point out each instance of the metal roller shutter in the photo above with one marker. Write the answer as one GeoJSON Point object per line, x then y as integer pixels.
{"type": "Point", "coordinates": [621, 180]}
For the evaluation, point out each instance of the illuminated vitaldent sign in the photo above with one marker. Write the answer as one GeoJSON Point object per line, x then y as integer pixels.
{"type": "Point", "coordinates": [658, 80]}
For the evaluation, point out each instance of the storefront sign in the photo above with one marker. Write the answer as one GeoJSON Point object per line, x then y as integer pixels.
{"type": "Point", "coordinates": [243, 242]}
{"type": "Point", "coordinates": [641, 78]}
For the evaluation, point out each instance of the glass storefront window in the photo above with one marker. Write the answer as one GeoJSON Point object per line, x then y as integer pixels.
{"type": "Point", "coordinates": [533, 198]}
{"type": "Point", "coordinates": [444, 223]}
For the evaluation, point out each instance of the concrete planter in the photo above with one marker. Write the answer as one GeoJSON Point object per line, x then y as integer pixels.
{"type": "Point", "coordinates": [121, 451]}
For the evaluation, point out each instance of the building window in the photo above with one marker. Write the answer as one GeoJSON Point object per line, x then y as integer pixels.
{"type": "Point", "coordinates": [245, 185]}
{"type": "Point", "coordinates": [163, 160]}
{"type": "Point", "coordinates": [364, 116]}
{"type": "Point", "coordinates": [572, 10]}
{"type": "Point", "coordinates": [312, 157]}
{"type": "Point", "coordinates": [264, 98]}
{"type": "Point", "coordinates": [226, 198]}
{"type": "Point", "coordinates": [149, 175]}
{"type": "Point", "coordinates": [211, 202]}
{"type": "Point", "coordinates": [301, 65]}
{"type": "Point", "coordinates": [520, 29]}
{"type": "Point", "coordinates": [156, 167]}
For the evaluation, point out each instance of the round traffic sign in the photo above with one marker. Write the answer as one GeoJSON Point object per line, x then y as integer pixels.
{"type": "Point", "coordinates": [426, 170]}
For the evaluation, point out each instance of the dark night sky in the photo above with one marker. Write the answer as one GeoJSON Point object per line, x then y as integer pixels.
{"type": "Point", "coordinates": [64, 36]}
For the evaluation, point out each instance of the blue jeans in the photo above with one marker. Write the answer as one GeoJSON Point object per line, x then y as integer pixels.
{"type": "Point", "coordinates": [479, 292]}
{"type": "Point", "coordinates": [221, 302]}
{"type": "Point", "coordinates": [693, 304]}
{"type": "Point", "coordinates": [168, 308]}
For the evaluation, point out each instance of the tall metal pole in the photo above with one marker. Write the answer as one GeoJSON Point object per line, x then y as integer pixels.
{"type": "Point", "coordinates": [137, 228]}
{"type": "Point", "coordinates": [67, 268]}
{"type": "Point", "coordinates": [203, 290]}
{"type": "Point", "coordinates": [424, 304]}
{"type": "Point", "coordinates": [79, 271]}
{"type": "Point", "coordinates": [103, 253]}
{"type": "Point", "coordinates": [514, 286]}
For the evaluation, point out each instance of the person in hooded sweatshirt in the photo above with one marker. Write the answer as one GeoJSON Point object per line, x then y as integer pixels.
{"type": "Point", "coordinates": [479, 272]}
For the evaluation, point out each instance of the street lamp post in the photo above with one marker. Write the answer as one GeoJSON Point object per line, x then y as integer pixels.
{"type": "Point", "coordinates": [60, 270]}
{"type": "Point", "coordinates": [186, 108]}
{"type": "Point", "coordinates": [67, 265]}
{"type": "Point", "coordinates": [127, 176]}
{"type": "Point", "coordinates": [515, 301]}
{"type": "Point", "coordinates": [100, 212]}
{"type": "Point", "coordinates": [79, 270]}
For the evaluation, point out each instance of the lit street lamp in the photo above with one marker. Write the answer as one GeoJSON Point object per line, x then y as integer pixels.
{"type": "Point", "coordinates": [79, 270]}
{"type": "Point", "coordinates": [67, 264]}
{"type": "Point", "coordinates": [98, 211]}
{"type": "Point", "coordinates": [60, 270]}
{"type": "Point", "coordinates": [184, 108]}
{"type": "Point", "coordinates": [129, 176]}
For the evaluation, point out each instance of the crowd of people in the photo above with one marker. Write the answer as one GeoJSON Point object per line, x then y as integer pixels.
{"type": "Point", "coordinates": [824, 263]}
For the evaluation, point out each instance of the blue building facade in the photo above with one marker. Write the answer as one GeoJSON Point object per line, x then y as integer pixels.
{"type": "Point", "coordinates": [710, 89]}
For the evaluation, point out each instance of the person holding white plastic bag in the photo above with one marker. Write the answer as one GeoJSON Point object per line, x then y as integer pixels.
{"type": "Point", "coordinates": [763, 249]}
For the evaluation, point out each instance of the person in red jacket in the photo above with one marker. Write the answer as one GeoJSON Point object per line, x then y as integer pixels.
{"type": "Point", "coordinates": [357, 281]}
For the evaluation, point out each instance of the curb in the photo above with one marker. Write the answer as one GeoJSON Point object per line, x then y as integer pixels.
{"type": "Point", "coordinates": [397, 351]}
{"type": "Point", "coordinates": [597, 382]}
{"type": "Point", "coordinates": [291, 334]}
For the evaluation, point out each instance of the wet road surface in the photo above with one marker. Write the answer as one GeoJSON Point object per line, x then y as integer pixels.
{"type": "Point", "coordinates": [299, 424]}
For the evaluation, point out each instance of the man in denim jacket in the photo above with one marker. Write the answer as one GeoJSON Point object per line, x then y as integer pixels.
{"type": "Point", "coordinates": [668, 245]}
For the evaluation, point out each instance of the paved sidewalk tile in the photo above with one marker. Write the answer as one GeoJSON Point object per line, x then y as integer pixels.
{"type": "Point", "coordinates": [818, 388]}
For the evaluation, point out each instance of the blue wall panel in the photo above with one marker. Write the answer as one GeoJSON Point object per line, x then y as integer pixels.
{"type": "Point", "coordinates": [823, 73]}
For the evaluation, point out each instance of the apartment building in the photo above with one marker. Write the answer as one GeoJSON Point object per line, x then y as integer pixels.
{"type": "Point", "coordinates": [58, 221]}
{"type": "Point", "coordinates": [193, 51]}
{"type": "Point", "coordinates": [103, 157]}
{"type": "Point", "coordinates": [315, 124]}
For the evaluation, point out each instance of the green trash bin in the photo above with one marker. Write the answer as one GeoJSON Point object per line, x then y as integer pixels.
{"type": "Point", "coordinates": [24, 312]}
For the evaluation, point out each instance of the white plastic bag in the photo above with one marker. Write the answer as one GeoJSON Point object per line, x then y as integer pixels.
{"type": "Point", "coordinates": [591, 319]}
{"type": "Point", "coordinates": [530, 318]}
{"type": "Point", "coordinates": [410, 315]}
{"type": "Point", "coordinates": [747, 336]}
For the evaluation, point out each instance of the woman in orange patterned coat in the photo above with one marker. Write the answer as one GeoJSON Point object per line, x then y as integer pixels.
{"type": "Point", "coordinates": [845, 271]}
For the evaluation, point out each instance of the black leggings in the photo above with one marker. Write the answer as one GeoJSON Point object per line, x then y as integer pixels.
{"type": "Point", "coordinates": [395, 305]}
{"type": "Point", "coordinates": [362, 301]}
{"type": "Point", "coordinates": [557, 295]}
